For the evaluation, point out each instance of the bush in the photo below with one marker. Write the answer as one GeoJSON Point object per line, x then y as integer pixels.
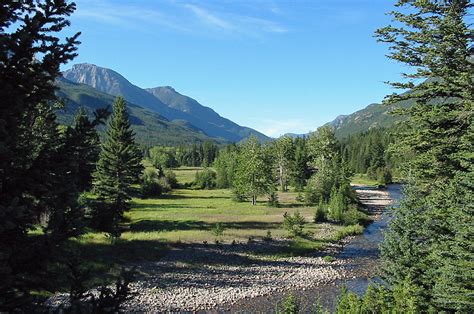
{"type": "Point", "coordinates": [273, 200]}
{"type": "Point", "coordinates": [294, 223]}
{"type": "Point", "coordinates": [384, 176]}
{"type": "Point", "coordinates": [290, 305]}
{"type": "Point", "coordinates": [170, 177]}
{"type": "Point", "coordinates": [268, 236]}
{"type": "Point", "coordinates": [349, 231]}
{"type": "Point", "coordinates": [153, 185]}
{"type": "Point", "coordinates": [205, 179]}
{"type": "Point", "coordinates": [329, 259]}
{"type": "Point", "coordinates": [321, 212]}
{"type": "Point", "coordinates": [354, 216]}
{"type": "Point", "coordinates": [218, 230]}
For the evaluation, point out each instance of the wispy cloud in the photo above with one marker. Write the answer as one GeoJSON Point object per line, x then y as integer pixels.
{"type": "Point", "coordinates": [208, 17]}
{"type": "Point", "coordinates": [175, 16]}
{"type": "Point", "coordinates": [235, 23]}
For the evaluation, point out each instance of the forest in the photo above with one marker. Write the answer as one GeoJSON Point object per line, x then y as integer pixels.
{"type": "Point", "coordinates": [78, 208]}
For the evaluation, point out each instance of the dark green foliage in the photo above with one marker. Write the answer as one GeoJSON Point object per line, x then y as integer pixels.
{"type": "Point", "coordinates": [290, 305]}
{"type": "Point", "coordinates": [300, 173]}
{"type": "Point", "coordinates": [369, 153]}
{"type": "Point", "coordinates": [162, 157]}
{"type": "Point", "coordinates": [218, 230]}
{"type": "Point", "coordinates": [34, 170]}
{"type": "Point", "coordinates": [320, 214]}
{"type": "Point", "coordinates": [294, 223]}
{"type": "Point", "coordinates": [151, 184]}
{"type": "Point", "coordinates": [225, 165]}
{"type": "Point", "coordinates": [85, 140]}
{"type": "Point", "coordinates": [107, 301]}
{"type": "Point", "coordinates": [170, 178]}
{"type": "Point", "coordinates": [427, 253]}
{"type": "Point", "coordinates": [205, 179]}
{"type": "Point", "coordinates": [273, 200]}
{"type": "Point", "coordinates": [377, 299]}
{"type": "Point", "coordinates": [337, 205]}
{"type": "Point", "coordinates": [118, 168]}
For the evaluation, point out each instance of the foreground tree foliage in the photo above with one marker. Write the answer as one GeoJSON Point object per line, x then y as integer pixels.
{"type": "Point", "coordinates": [36, 173]}
{"type": "Point", "coordinates": [119, 167]}
{"type": "Point", "coordinates": [429, 246]}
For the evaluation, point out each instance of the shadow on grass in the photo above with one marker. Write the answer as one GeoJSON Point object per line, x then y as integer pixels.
{"type": "Point", "coordinates": [154, 206]}
{"type": "Point", "coordinates": [182, 225]}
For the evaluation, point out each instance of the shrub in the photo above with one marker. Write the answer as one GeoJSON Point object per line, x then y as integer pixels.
{"type": "Point", "coordinates": [321, 212]}
{"type": "Point", "coordinates": [384, 176]}
{"type": "Point", "coordinates": [294, 223]}
{"type": "Point", "coordinates": [336, 205]}
{"type": "Point", "coordinates": [329, 259]}
{"type": "Point", "coordinates": [205, 179]}
{"type": "Point", "coordinates": [273, 200]}
{"type": "Point", "coordinates": [268, 236]}
{"type": "Point", "coordinates": [217, 230]}
{"type": "Point", "coordinates": [349, 231]}
{"type": "Point", "coordinates": [170, 177]}
{"type": "Point", "coordinates": [353, 216]}
{"type": "Point", "coordinates": [290, 305]}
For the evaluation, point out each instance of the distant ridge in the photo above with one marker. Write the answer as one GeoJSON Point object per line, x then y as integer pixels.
{"type": "Point", "coordinates": [164, 101]}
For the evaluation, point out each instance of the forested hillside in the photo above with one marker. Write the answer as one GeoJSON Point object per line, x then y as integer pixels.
{"type": "Point", "coordinates": [150, 127]}
{"type": "Point", "coordinates": [165, 102]}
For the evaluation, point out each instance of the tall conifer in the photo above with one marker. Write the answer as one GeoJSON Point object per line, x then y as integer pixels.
{"type": "Point", "coordinates": [119, 166]}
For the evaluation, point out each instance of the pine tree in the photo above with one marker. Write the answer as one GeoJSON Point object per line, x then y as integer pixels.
{"type": "Point", "coordinates": [32, 184]}
{"type": "Point", "coordinates": [300, 173]}
{"type": "Point", "coordinates": [428, 241]}
{"type": "Point", "coordinates": [119, 166]}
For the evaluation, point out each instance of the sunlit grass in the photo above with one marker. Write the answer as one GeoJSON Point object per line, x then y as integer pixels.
{"type": "Point", "coordinates": [363, 179]}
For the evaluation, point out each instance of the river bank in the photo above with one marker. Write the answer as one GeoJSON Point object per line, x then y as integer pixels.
{"type": "Point", "coordinates": [231, 277]}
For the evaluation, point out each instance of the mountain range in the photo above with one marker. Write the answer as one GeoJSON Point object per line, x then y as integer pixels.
{"type": "Point", "coordinates": [159, 115]}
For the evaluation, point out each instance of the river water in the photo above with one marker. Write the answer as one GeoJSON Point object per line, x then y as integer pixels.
{"type": "Point", "coordinates": [362, 253]}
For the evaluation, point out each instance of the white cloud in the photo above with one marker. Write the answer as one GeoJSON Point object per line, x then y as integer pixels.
{"type": "Point", "coordinates": [208, 17]}
{"type": "Point", "coordinates": [175, 16]}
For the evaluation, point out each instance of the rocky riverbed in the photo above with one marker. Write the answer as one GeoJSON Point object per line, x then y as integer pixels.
{"type": "Point", "coordinates": [222, 277]}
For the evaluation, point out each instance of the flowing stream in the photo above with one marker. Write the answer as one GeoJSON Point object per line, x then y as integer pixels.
{"type": "Point", "coordinates": [362, 253]}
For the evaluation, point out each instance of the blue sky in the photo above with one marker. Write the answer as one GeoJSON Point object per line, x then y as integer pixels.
{"type": "Point", "coordinates": [276, 66]}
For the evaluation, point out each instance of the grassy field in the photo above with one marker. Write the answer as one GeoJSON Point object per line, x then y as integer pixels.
{"type": "Point", "coordinates": [187, 216]}
{"type": "Point", "coordinates": [362, 179]}
{"type": "Point", "coordinates": [186, 175]}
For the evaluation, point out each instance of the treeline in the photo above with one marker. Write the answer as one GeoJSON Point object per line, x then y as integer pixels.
{"type": "Point", "coordinates": [369, 153]}
{"type": "Point", "coordinates": [202, 155]}
{"type": "Point", "coordinates": [313, 166]}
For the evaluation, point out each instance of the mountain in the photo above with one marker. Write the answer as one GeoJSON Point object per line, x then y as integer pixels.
{"type": "Point", "coordinates": [150, 127]}
{"type": "Point", "coordinates": [175, 100]}
{"type": "Point", "coordinates": [372, 116]}
{"type": "Point", "coordinates": [177, 108]}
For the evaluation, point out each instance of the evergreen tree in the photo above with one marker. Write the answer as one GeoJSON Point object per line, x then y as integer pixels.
{"type": "Point", "coordinates": [85, 140]}
{"type": "Point", "coordinates": [31, 184]}
{"type": "Point", "coordinates": [428, 241]}
{"type": "Point", "coordinates": [119, 166]}
{"type": "Point", "coordinates": [300, 173]}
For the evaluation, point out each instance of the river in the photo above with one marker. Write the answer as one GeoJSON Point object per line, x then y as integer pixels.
{"type": "Point", "coordinates": [362, 253]}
